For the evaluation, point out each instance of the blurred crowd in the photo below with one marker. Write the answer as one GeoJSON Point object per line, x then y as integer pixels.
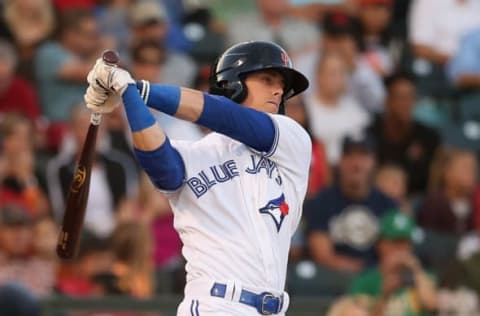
{"type": "Point", "coordinates": [391, 221]}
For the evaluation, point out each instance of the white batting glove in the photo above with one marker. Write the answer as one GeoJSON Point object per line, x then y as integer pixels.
{"type": "Point", "coordinates": [110, 78]}
{"type": "Point", "coordinates": [100, 101]}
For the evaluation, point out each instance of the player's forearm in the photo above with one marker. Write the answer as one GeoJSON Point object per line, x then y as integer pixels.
{"type": "Point", "coordinates": [157, 157]}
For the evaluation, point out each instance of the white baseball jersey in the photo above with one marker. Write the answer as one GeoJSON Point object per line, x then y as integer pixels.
{"type": "Point", "coordinates": [238, 208]}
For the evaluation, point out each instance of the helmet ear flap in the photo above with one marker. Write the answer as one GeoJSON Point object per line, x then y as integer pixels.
{"type": "Point", "coordinates": [234, 90]}
{"type": "Point", "coordinates": [240, 91]}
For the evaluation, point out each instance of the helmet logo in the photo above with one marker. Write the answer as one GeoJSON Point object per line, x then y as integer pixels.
{"type": "Point", "coordinates": [285, 59]}
{"type": "Point", "coordinates": [239, 62]}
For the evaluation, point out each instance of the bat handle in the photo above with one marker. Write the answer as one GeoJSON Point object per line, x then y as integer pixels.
{"type": "Point", "coordinates": [96, 118]}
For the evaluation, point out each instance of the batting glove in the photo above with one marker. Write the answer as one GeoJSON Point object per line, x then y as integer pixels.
{"type": "Point", "coordinates": [109, 78]}
{"type": "Point", "coordinates": [100, 101]}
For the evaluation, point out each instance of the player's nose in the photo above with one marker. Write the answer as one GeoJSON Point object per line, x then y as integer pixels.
{"type": "Point", "coordinates": [277, 90]}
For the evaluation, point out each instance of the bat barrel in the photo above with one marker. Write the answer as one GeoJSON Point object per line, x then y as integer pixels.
{"type": "Point", "coordinates": [77, 198]}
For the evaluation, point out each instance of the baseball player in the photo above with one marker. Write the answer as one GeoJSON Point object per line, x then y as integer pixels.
{"type": "Point", "coordinates": [237, 193]}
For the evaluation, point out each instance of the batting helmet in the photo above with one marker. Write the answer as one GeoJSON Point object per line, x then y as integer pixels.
{"type": "Point", "coordinates": [231, 68]}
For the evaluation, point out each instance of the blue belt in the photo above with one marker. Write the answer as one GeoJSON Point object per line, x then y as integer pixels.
{"type": "Point", "coordinates": [265, 303]}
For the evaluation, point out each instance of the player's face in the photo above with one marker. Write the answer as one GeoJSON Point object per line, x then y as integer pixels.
{"type": "Point", "coordinates": [265, 91]}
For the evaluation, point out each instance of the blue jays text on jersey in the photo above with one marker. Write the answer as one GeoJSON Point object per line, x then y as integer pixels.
{"type": "Point", "coordinates": [228, 170]}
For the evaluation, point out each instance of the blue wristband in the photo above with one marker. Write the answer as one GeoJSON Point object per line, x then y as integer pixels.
{"type": "Point", "coordinates": [138, 115]}
{"type": "Point", "coordinates": [164, 98]}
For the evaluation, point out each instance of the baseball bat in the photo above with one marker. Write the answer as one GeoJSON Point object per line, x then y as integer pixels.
{"type": "Point", "coordinates": [77, 197]}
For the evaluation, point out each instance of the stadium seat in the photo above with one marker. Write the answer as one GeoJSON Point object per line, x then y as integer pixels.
{"type": "Point", "coordinates": [309, 279]}
{"type": "Point", "coordinates": [434, 248]}
{"type": "Point", "coordinates": [463, 130]}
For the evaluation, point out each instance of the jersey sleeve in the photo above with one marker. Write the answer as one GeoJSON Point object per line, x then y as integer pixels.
{"type": "Point", "coordinates": [292, 152]}
{"type": "Point", "coordinates": [292, 146]}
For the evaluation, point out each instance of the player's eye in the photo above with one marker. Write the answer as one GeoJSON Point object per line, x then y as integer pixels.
{"type": "Point", "coordinates": [266, 79]}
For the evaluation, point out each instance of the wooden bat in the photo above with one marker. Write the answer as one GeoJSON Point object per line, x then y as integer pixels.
{"type": "Point", "coordinates": [74, 215]}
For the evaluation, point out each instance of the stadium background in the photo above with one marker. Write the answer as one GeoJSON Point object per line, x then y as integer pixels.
{"type": "Point", "coordinates": [399, 77]}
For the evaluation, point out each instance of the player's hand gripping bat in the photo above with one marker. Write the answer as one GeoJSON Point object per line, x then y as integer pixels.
{"type": "Point", "coordinates": [73, 217]}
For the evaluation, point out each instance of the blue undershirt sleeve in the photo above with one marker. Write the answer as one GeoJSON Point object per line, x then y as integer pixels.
{"type": "Point", "coordinates": [220, 114]}
{"type": "Point", "coordinates": [250, 127]}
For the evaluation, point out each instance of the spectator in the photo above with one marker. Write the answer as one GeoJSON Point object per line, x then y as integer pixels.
{"type": "Point", "coordinates": [464, 66]}
{"type": "Point", "coordinates": [458, 302]}
{"type": "Point", "coordinates": [113, 22]}
{"type": "Point", "coordinates": [206, 34]}
{"type": "Point", "coordinates": [332, 114]}
{"type": "Point", "coordinates": [151, 208]}
{"type": "Point", "coordinates": [45, 234]}
{"type": "Point", "coordinates": [153, 63]}
{"type": "Point", "coordinates": [341, 36]}
{"type": "Point", "coordinates": [271, 22]}
{"type": "Point", "coordinates": [342, 221]}
{"type": "Point", "coordinates": [113, 178]}
{"type": "Point", "coordinates": [133, 260]}
{"type": "Point", "coordinates": [315, 10]}
{"type": "Point", "coordinates": [115, 126]}
{"type": "Point", "coordinates": [176, 12]}
{"type": "Point", "coordinates": [61, 68]}
{"type": "Point", "coordinates": [18, 262]}
{"type": "Point", "coordinates": [392, 180]}
{"type": "Point", "coordinates": [401, 139]}
{"type": "Point", "coordinates": [350, 306]}
{"type": "Point", "coordinates": [15, 300]}
{"type": "Point", "coordinates": [398, 284]}
{"type": "Point", "coordinates": [19, 183]}
{"type": "Point", "coordinates": [16, 94]}
{"type": "Point", "coordinates": [67, 5]}
{"type": "Point", "coordinates": [149, 22]}
{"type": "Point", "coordinates": [449, 207]}
{"type": "Point", "coordinates": [93, 261]}
{"type": "Point", "coordinates": [451, 21]}
{"type": "Point", "coordinates": [380, 50]}
{"type": "Point", "coordinates": [320, 174]}
{"type": "Point", "coordinates": [31, 22]}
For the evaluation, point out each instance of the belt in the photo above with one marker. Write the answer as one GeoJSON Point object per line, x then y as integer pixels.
{"type": "Point", "coordinates": [266, 303]}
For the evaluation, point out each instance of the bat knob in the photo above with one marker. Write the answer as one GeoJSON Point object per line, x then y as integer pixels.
{"type": "Point", "coordinates": [110, 57]}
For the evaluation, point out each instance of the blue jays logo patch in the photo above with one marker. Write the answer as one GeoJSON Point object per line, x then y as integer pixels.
{"type": "Point", "coordinates": [277, 209]}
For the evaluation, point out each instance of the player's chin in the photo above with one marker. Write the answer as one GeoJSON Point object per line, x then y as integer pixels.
{"type": "Point", "coordinates": [271, 107]}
